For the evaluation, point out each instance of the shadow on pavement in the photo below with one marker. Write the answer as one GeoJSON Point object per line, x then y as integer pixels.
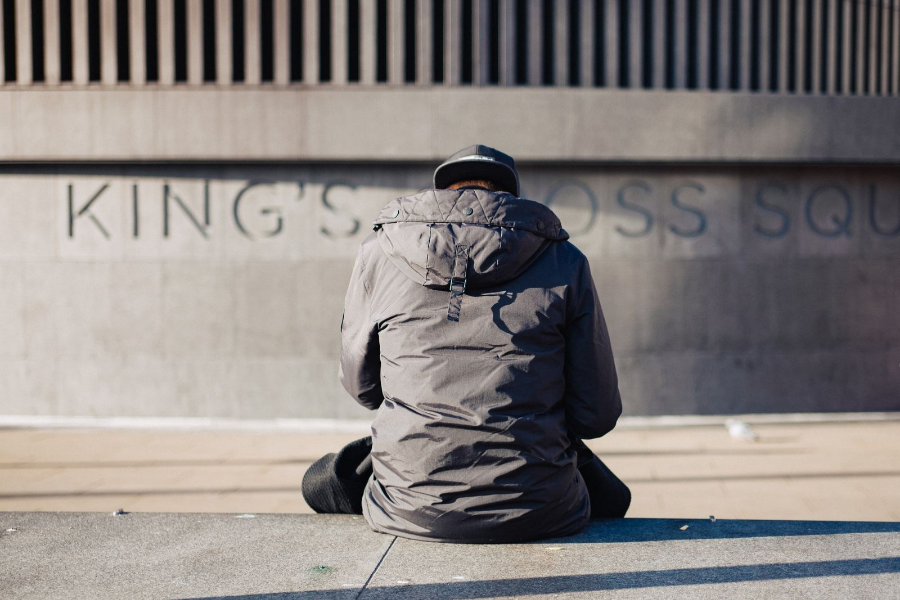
{"type": "Point", "coordinates": [656, 530]}
{"type": "Point", "coordinates": [462, 590]}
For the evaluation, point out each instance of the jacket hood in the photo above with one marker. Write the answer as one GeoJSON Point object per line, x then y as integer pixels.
{"type": "Point", "coordinates": [500, 235]}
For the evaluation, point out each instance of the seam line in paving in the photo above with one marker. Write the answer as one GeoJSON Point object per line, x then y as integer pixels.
{"type": "Point", "coordinates": [375, 570]}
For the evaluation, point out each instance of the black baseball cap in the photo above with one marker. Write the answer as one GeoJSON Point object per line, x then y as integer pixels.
{"type": "Point", "coordinates": [479, 162]}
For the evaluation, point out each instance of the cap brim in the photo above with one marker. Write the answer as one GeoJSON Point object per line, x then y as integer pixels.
{"type": "Point", "coordinates": [461, 170]}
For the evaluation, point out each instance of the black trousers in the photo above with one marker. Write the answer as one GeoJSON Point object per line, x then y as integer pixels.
{"type": "Point", "coordinates": [336, 482]}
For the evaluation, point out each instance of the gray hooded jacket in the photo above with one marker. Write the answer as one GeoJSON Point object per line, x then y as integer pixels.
{"type": "Point", "coordinates": [474, 328]}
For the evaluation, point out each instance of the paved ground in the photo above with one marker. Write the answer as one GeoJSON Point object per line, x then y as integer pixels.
{"type": "Point", "coordinates": [825, 471]}
{"type": "Point", "coordinates": [99, 556]}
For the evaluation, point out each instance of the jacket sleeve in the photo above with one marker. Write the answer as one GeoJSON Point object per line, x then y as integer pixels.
{"type": "Point", "coordinates": [592, 400]}
{"type": "Point", "coordinates": [360, 369]}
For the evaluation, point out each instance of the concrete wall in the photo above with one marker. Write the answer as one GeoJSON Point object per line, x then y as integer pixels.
{"type": "Point", "coordinates": [727, 289]}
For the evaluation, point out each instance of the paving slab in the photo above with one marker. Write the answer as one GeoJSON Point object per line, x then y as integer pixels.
{"type": "Point", "coordinates": [658, 558]}
{"type": "Point", "coordinates": [280, 557]}
{"type": "Point", "coordinates": [100, 556]}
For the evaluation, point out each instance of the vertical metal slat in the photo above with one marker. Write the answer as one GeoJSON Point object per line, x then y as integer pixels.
{"type": "Point", "coordinates": [252, 50]}
{"type": "Point", "coordinates": [846, 67]}
{"type": "Point", "coordinates": [535, 42]}
{"type": "Point", "coordinates": [681, 45]}
{"type": "Point", "coordinates": [561, 43]}
{"type": "Point", "coordinates": [480, 43]}
{"type": "Point", "coordinates": [108, 50]}
{"type": "Point", "coordinates": [195, 42]}
{"type": "Point", "coordinates": [395, 41]}
{"type": "Point", "coordinates": [79, 42]}
{"type": "Point", "coordinates": [611, 51]}
{"type": "Point", "coordinates": [137, 45]}
{"type": "Point", "coordinates": [223, 42]}
{"type": "Point", "coordinates": [860, 48]}
{"type": "Point", "coordinates": [311, 41]}
{"type": "Point", "coordinates": [2, 53]}
{"type": "Point", "coordinates": [703, 40]}
{"type": "Point", "coordinates": [507, 42]}
{"type": "Point", "coordinates": [873, 46]}
{"type": "Point", "coordinates": [816, 35]}
{"type": "Point", "coordinates": [724, 48]}
{"type": "Point", "coordinates": [659, 44]}
{"type": "Point", "coordinates": [282, 41]}
{"type": "Point", "coordinates": [339, 35]}
{"type": "Point", "coordinates": [764, 41]}
{"type": "Point", "coordinates": [800, 57]}
{"type": "Point", "coordinates": [424, 41]}
{"type": "Point", "coordinates": [832, 47]}
{"type": "Point", "coordinates": [783, 42]}
{"type": "Point", "coordinates": [635, 44]}
{"type": "Point", "coordinates": [744, 44]}
{"type": "Point", "coordinates": [896, 50]}
{"type": "Point", "coordinates": [367, 42]}
{"type": "Point", "coordinates": [166, 30]}
{"type": "Point", "coordinates": [51, 42]}
{"type": "Point", "coordinates": [883, 50]}
{"type": "Point", "coordinates": [452, 42]}
{"type": "Point", "coordinates": [23, 42]}
{"type": "Point", "coordinates": [586, 42]}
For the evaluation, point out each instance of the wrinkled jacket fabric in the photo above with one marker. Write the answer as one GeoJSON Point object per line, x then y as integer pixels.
{"type": "Point", "coordinates": [479, 388]}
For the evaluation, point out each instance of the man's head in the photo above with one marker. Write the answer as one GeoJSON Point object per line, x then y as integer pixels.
{"type": "Point", "coordinates": [481, 166]}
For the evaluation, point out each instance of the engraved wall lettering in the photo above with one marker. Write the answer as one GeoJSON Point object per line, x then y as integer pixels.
{"type": "Point", "coordinates": [259, 211]}
{"type": "Point", "coordinates": [840, 222]}
{"type": "Point", "coordinates": [785, 217]}
{"type": "Point", "coordinates": [873, 215]}
{"type": "Point", "coordinates": [648, 216]}
{"type": "Point", "coordinates": [266, 211]}
{"type": "Point", "coordinates": [592, 204]}
{"type": "Point", "coordinates": [85, 210]}
{"type": "Point", "coordinates": [701, 218]}
{"type": "Point", "coordinates": [203, 228]}
{"type": "Point", "coordinates": [353, 227]}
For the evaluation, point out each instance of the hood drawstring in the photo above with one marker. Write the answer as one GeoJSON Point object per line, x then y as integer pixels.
{"type": "Point", "coordinates": [458, 282]}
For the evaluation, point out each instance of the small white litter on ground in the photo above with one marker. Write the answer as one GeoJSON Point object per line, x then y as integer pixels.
{"type": "Point", "coordinates": [739, 430]}
{"type": "Point", "coordinates": [245, 516]}
{"type": "Point", "coordinates": [553, 548]}
{"type": "Point", "coordinates": [684, 527]}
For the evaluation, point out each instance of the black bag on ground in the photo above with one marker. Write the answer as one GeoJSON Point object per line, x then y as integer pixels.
{"type": "Point", "coordinates": [336, 482]}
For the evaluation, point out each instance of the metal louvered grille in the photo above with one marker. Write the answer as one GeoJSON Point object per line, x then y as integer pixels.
{"type": "Point", "coordinates": [769, 46]}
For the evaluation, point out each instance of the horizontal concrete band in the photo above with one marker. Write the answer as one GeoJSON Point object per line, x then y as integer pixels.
{"type": "Point", "coordinates": [391, 124]}
{"type": "Point", "coordinates": [362, 427]}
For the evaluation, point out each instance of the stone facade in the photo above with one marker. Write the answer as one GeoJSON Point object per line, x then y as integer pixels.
{"type": "Point", "coordinates": [217, 291]}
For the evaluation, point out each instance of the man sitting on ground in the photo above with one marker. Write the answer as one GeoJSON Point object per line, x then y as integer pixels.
{"type": "Point", "coordinates": [474, 328]}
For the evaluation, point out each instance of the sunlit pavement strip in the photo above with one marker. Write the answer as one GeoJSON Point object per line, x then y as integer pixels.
{"type": "Point", "coordinates": [275, 557]}
{"type": "Point", "coordinates": [844, 470]}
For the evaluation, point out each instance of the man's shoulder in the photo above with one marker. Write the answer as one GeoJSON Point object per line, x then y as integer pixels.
{"type": "Point", "coordinates": [369, 248]}
{"type": "Point", "coordinates": [372, 259]}
{"type": "Point", "coordinates": [567, 254]}
{"type": "Point", "coordinates": [570, 250]}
